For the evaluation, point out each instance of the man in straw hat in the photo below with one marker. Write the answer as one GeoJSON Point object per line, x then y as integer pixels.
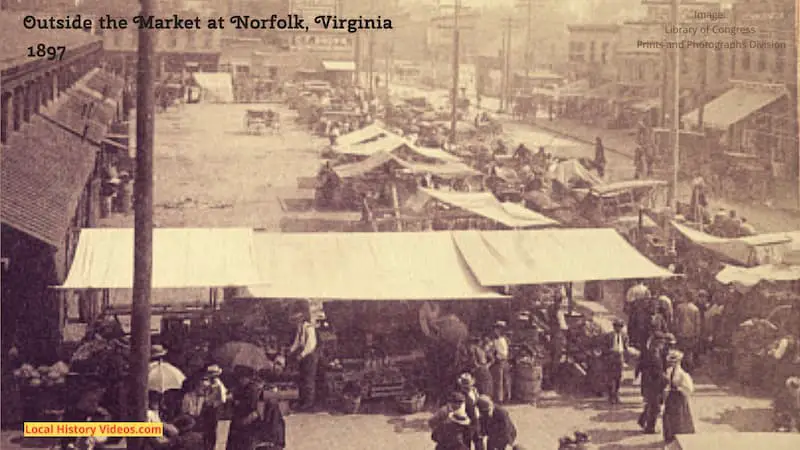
{"type": "Point", "coordinates": [496, 424]}
{"type": "Point", "coordinates": [216, 398]}
{"type": "Point", "coordinates": [501, 370]}
{"type": "Point", "coordinates": [615, 349]}
{"type": "Point", "coordinates": [304, 349]}
{"type": "Point", "coordinates": [466, 383]}
{"type": "Point", "coordinates": [453, 433]}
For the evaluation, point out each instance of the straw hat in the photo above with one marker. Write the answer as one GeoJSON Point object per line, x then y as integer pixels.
{"type": "Point", "coordinates": [500, 324]}
{"type": "Point", "coordinates": [457, 417]}
{"type": "Point", "coordinates": [213, 371]}
{"type": "Point", "coordinates": [157, 351]}
{"type": "Point", "coordinates": [793, 383]}
{"type": "Point", "coordinates": [466, 380]}
{"type": "Point", "coordinates": [674, 357]}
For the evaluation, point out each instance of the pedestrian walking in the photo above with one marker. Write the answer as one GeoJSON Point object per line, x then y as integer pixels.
{"type": "Point", "coordinates": [466, 384]}
{"type": "Point", "coordinates": [217, 397]}
{"type": "Point", "coordinates": [688, 329]}
{"type": "Point", "coordinates": [496, 425]}
{"type": "Point", "coordinates": [480, 364]}
{"type": "Point", "coordinates": [599, 157]}
{"type": "Point", "coordinates": [652, 367]}
{"type": "Point", "coordinates": [304, 349]}
{"type": "Point", "coordinates": [616, 346]}
{"type": "Point", "coordinates": [500, 369]}
{"type": "Point", "coordinates": [677, 412]}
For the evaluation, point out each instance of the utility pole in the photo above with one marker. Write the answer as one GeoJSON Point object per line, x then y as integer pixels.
{"type": "Point", "coordinates": [371, 55]}
{"type": "Point", "coordinates": [457, 27]}
{"type": "Point", "coordinates": [703, 87]}
{"type": "Point", "coordinates": [676, 119]}
{"type": "Point", "coordinates": [143, 225]}
{"type": "Point", "coordinates": [507, 93]}
{"type": "Point", "coordinates": [456, 68]}
{"type": "Point", "coordinates": [528, 5]}
{"type": "Point", "coordinates": [503, 70]}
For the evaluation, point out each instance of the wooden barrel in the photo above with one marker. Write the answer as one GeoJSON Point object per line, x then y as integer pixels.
{"type": "Point", "coordinates": [527, 382]}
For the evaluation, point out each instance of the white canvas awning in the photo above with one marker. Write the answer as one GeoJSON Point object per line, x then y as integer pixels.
{"type": "Point", "coordinates": [377, 160]}
{"type": "Point", "coordinates": [374, 139]}
{"type": "Point", "coordinates": [504, 258]}
{"type": "Point", "coordinates": [485, 204]}
{"type": "Point", "coordinates": [751, 276]}
{"type": "Point", "coordinates": [217, 87]}
{"type": "Point", "coordinates": [369, 132]}
{"type": "Point", "coordinates": [339, 66]}
{"type": "Point", "coordinates": [182, 258]}
{"type": "Point", "coordinates": [364, 266]}
{"type": "Point", "coordinates": [769, 248]}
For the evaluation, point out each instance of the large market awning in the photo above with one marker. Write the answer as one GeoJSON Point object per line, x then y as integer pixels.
{"type": "Point", "coordinates": [502, 258]}
{"type": "Point", "coordinates": [217, 87]}
{"type": "Point", "coordinates": [182, 258]}
{"type": "Point", "coordinates": [735, 105]}
{"type": "Point", "coordinates": [382, 158]}
{"type": "Point", "coordinates": [364, 266]}
{"type": "Point", "coordinates": [339, 66]}
{"type": "Point", "coordinates": [748, 251]}
{"type": "Point", "coordinates": [485, 204]}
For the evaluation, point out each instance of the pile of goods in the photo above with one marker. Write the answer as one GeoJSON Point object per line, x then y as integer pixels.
{"type": "Point", "coordinates": [46, 376]}
{"type": "Point", "coordinates": [751, 344]}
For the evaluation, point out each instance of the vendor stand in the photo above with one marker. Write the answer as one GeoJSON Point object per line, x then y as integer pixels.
{"type": "Point", "coordinates": [182, 259]}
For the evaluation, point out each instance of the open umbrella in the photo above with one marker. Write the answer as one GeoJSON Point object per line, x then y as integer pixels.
{"type": "Point", "coordinates": [242, 354]}
{"type": "Point", "coordinates": [164, 376]}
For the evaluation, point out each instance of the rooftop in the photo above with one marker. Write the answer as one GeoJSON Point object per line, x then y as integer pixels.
{"type": "Point", "coordinates": [15, 39]}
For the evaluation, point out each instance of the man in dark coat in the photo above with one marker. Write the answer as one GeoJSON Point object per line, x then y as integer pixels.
{"type": "Point", "coordinates": [652, 367]}
{"type": "Point", "coordinates": [496, 424]}
{"type": "Point", "coordinates": [600, 157]}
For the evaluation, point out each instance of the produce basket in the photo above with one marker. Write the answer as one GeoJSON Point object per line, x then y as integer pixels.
{"type": "Point", "coordinates": [411, 404]}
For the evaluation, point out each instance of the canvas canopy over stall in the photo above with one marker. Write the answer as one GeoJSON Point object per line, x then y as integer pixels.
{"type": "Point", "coordinates": [374, 139]}
{"type": "Point", "coordinates": [364, 266]}
{"type": "Point", "coordinates": [381, 159]}
{"type": "Point", "coordinates": [761, 249]}
{"type": "Point", "coordinates": [485, 204]}
{"type": "Point", "coordinates": [522, 257]}
{"type": "Point", "coordinates": [182, 258]}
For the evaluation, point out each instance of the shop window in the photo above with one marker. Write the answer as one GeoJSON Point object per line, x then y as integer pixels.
{"type": "Point", "coordinates": [604, 54]}
{"type": "Point", "coordinates": [173, 40]}
{"type": "Point", "coordinates": [746, 60]}
{"type": "Point", "coordinates": [209, 43]}
{"type": "Point", "coordinates": [118, 38]}
{"type": "Point", "coordinates": [190, 39]}
{"type": "Point", "coordinates": [720, 63]}
{"type": "Point", "coordinates": [592, 51]}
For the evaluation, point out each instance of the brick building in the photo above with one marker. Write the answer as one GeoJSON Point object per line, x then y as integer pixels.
{"type": "Point", "coordinates": [55, 117]}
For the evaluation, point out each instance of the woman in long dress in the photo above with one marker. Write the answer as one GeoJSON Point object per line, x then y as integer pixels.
{"type": "Point", "coordinates": [677, 413]}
